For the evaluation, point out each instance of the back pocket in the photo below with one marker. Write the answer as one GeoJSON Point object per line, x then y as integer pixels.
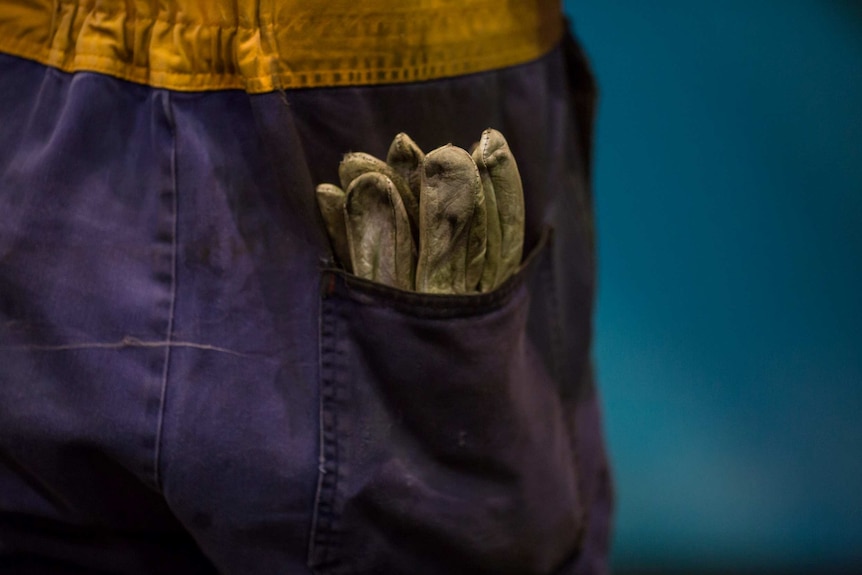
{"type": "Point", "coordinates": [445, 446]}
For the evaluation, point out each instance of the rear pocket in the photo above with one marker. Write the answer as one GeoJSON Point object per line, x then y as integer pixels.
{"type": "Point", "coordinates": [445, 445]}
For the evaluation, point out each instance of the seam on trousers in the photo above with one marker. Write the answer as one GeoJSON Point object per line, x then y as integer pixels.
{"type": "Point", "coordinates": [166, 105]}
{"type": "Point", "coordinates": [127, 341]}
{"type": "Point", "coordinates": [322, 534]}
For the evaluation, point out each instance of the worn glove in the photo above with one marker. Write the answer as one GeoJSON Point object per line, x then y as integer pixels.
{"type": "Point", "coordinates": [504, 198]}
{"type": "Point", "coordinates": [464, 211]}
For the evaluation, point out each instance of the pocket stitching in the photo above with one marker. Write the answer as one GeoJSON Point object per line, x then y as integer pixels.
{"type": "Point", "coordinates": [325, 520]}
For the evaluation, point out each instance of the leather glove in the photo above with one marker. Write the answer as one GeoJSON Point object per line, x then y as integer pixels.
{"type": "Point", "coordinates": [452, 223]}
{"type": "Point", "coordinates": [464, 211]}
{"type": "Point", "coordinates": [378, 232]}
{"type": "Point", "coordinates": [504, 198]}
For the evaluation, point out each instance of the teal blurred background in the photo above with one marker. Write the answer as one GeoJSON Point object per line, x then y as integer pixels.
{"type": "Point", "coordinates": [728, 189]}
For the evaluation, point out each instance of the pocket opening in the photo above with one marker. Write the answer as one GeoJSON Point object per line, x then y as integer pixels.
{"type": "Point", "coordinates": [339, 283]}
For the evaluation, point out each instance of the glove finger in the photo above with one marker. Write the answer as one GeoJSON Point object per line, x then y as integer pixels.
{"type": "Point", "coordinates": [491, 271]}
{"type": "Point", "coordinates": [502, 180]}
{"type": "Point", "coordinates": [378, 232]}
{"type": "Point", "coordinates": [405, 158]}
{"type": "Point", "coordinates": [330, 201]}
{"type": "Point", "coordinates": [451, 223]}
{"type": "Point", "coordinates": [357, 163]}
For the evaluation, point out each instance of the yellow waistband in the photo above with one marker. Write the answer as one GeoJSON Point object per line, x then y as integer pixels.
{"type": "Point", "coordinates": [264, 45]}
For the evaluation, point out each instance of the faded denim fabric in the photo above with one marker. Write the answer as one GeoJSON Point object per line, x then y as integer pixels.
{"type": "Point", "coordinates": [186, 386]}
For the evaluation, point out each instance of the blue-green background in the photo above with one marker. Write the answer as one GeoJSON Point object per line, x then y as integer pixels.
{"type": "Point", "coordinates": [729, 330]}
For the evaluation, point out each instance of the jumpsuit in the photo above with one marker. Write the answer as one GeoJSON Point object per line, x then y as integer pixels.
{"type": "Point", "coordinates": [188, 385]}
